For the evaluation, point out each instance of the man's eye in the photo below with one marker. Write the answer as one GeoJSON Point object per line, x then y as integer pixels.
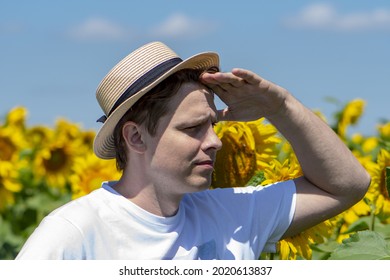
{"type": "Point", "coordinates": [192, 127]}
{"type": "Point", "coordinates": [198, 126]}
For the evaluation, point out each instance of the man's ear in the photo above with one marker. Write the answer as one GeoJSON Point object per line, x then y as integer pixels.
{"type": "Point", "coordinates": [133, 135]}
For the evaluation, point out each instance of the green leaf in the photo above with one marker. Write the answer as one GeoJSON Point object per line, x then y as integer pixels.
{"type": "Point", "coordinates": [256, 179]}
{"type": "Point", "coordinates": [383, 229]}
{"type": "Point", "coordinates": [361, 224]}
{"type": "Point", "coordinates": [9, 242]}
{"type": "Point", "coordinates": [322, 251]}
{"type": "Point", "coordinates": [363, 245]}
{"type": "Point", "coordinates": [328, 246]}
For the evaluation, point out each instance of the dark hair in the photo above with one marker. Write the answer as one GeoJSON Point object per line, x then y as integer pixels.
{"type": "Point", "coordinates": [151, 107]}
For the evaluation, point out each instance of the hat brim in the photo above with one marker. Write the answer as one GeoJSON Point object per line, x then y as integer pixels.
{"type": "Point", "coordinates": [103, 145]}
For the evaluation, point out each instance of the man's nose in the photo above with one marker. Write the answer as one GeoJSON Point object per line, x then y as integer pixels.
{"type": "Point", "coordinates": [212, 140]}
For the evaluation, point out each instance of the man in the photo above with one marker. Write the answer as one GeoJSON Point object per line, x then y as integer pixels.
{"type": "Point", "coordinates": [158, 124]}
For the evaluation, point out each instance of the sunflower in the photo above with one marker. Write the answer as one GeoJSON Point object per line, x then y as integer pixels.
{"type": "Point", "coordinates": [383, 163]}
{"type": "Point", "coordinates": [384, 131]}
{"type": "Point", "coordinates": [350, 116]}
{"type": "Point", "coordinates": [53, 162]}
{"type": "Point", "coordinates": [12, 135]}
{"type": "Point", "coordinates": [370, 144]}
{"type": "Point", "coordinates": [299, 245]}
{"type": "Point", "coordinates": [16, 117]}
{"type": "Point", "coordinates": [38, 136]}
{"type": "Point", "coordinates": [89, 172]}
{"type": "Point", "coordinates": [8, 148]}
{"type": "Point", "coordinates": [378, 187]}
{"type": "Point", "coordinates": [266, 141]}
{"type": "Point", "coordinates": [236, 161]}
{"type": "Point", "coordinates": [11, 143]}
{"type": "Point", "coordinates": [66, 130]}
{"type": "Point", "coordinates": [84, 142]}
{"type": "Point", "coordinates": [376, 200]}
{"type": "Point", "coordinates": [276, 171]}
{"type": "Point", "coordinates": [9, 183]}
{"type": "Point", "coordinates": [246, 147]}
{"type": "Point", "coordinates": [81, 140]}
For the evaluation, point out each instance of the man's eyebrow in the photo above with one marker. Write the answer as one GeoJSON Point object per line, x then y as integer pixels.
{"type": "Point", "coordinates": [200, 119]}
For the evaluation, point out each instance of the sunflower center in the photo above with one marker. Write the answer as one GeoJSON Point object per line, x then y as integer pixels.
{"type": "Point", "coordinates": [57, 160]}
{"type": "Point", "coordinates": [7, 149]}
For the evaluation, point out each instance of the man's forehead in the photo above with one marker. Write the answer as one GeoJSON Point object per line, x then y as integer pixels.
{"type": "Point", "coordinates": [193, 92]}
{"type": "Point", "coordinates": [193, 98]}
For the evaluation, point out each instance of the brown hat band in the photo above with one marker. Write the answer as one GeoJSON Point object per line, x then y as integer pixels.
{"type": "Point", "coordinates": [142, 82]}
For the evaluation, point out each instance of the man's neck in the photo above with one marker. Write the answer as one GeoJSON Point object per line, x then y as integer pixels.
{"type": "Point", "coordinates": [148, 197]}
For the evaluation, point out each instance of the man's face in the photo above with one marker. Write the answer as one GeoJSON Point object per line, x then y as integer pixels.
{"type": "Point", "coordinates": [181, 156]}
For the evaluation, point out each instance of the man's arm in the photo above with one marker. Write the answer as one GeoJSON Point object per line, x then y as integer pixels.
{"type": "Point", "coordinates": [333, 178]}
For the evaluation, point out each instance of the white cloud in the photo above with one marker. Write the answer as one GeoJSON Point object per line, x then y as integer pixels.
{"type": "Point", "coordinates": [98, 29]}
{"type": "Point", "coordinates": [176, 26]}
{"type": "Point", "coordinates": [324, 16]}
{"type": "Point", "coordinates": [180, 25]}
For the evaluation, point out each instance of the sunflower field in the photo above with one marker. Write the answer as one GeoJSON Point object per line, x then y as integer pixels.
{"type": "Point", "coordinates": [44, 167]}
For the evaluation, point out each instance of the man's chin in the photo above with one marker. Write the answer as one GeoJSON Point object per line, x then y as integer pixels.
{"type": "Point", "coordinates": [201, 185]}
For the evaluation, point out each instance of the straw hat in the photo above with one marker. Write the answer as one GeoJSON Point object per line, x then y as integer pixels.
{"type": "Point", "coordinates": [131, 78]}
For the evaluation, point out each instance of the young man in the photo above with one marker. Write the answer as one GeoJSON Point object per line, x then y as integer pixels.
{"type": "Point", "coordinates": [158, 124]}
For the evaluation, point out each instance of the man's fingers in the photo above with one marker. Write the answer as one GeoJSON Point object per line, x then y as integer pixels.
{"type": "Point", "coordinates": [217, 89]}
{"type": "Point", "coordinates": [223, 79]}
{"type": "Point", "coordinates": [247, 76]}
{"type": "Point", "coordinates": [208, 78]}
{"type": "Point", "coordinates": [227, 87]}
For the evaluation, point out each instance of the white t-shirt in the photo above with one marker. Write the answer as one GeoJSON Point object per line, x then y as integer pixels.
{"type": "Point", "coordinates": [237, 223]}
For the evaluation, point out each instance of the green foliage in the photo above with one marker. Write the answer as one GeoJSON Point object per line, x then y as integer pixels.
{"type": "Point", "coordinates": [363, 245]}
{"type": "Point", "coordinates": [369, 240]}
{"type": "Point", "coordinates": [324, 250]}
{"type": "Point", "coordinates": [9, 242]}
{"type": "Point", "coordinates": [19, 221]}
{"type": "Point", "coordinates": [257, 179]}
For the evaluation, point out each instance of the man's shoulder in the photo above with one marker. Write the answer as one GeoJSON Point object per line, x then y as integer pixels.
{"type": "Point", "coordinates": [82, 208]}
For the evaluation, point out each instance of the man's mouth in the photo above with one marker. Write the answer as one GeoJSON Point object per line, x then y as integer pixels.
{"type": "Point", "coordinates": [205, 163]}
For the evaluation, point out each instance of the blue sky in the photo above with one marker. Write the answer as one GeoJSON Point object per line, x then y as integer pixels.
{"type": "Point", "coordinates": [53, 54]}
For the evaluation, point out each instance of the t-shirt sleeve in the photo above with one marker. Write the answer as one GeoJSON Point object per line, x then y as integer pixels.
{"type": "Point", "coordinates": [54, 239]}
{"type": "Point", "coordinates": [283, 214]}
{"type": "Point", "coordinates": [259, 216]}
